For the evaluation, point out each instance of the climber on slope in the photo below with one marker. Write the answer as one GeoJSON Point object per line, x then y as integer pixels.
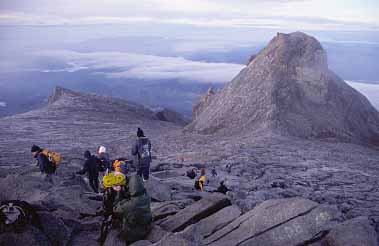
{"type": "Point", "coordinates": [46, 166]}
{"type": "Point", "coordinates": [199, 184]}
{"type": "Point", "coordinates": [142, 149]}
{"type": "Point", "coordinates": [91, 167]}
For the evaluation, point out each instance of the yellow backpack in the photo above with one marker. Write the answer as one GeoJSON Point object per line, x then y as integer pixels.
{"type": "Point", "coordinates": [54, 157]}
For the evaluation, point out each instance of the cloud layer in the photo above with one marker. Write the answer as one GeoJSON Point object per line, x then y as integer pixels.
{"type": "Point", "coordinates": [129, 65]}
{"type": "Point", "coordinates": [294, 14]}
{"type": "Point", "coordinates": [371, 91]}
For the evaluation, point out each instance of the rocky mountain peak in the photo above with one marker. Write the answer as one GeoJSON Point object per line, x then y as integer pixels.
{"type": "Point", "coordinates": [288, 89]}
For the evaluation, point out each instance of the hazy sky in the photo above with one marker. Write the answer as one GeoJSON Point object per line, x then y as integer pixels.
{"type": "Point", "coordinates": [299, 14]}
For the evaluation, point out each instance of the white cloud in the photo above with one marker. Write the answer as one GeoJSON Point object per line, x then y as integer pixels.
{"type": "Point", "coordinates": [3, 104]}
{"type": "Point", "coordinates": [371, 91]}
{"type": "Point", "coordinates": [129, 65]}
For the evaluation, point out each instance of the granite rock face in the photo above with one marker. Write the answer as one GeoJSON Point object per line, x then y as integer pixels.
{"type": "Point", "coordinates": [288, 89]}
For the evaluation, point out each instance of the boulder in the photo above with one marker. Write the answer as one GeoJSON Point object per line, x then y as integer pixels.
{"type": "Point", "coordinates": [161, 210]}
{"type": "Point", "coordinates": [195, 212]}
{"type": "Point", "coordinates": [209, 225]}
{"type": "Point", "coordinates": [173, 240]}
{"type": "Point", "coordinates": [354, 232]}
{"type": "Point", "coordinates": [289, 221]}
{"type": "Point", "coordinates": [54, 228]}
{"type": "Point", "coordinates": [141, 243]}
{"type": "Point", "coordinates": [30, 236]}
{"type": "Point", "coordinates": [156, 234]}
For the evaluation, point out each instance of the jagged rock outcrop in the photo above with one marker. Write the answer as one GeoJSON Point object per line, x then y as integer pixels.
{"type": "Point", "coordinates": [170, 116]}
{"type": "Point", "coordinates": [288, 89]}
{"type": "Point", "coordinates": [203, 103]}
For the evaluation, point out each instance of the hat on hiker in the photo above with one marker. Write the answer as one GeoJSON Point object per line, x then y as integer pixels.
{"type": "Point", "coordinates": [35, 148]}
{"type": "Point", "coordinates": [102, 149]}
{"type": "Point", "coordinates": [140, 133]}
{"type": "Point", "coordinates": [87, 154]}
{"type": "Point", "coordinates": [114, 179]}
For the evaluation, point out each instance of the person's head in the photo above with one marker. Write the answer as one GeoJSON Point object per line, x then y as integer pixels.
{"type": "Point", "coordinates": [35, 150]}
{"type": "Point", "coordinates": [140, 133]}
{"type": "Point", "coordinates": [102, 150]}
{"type": "Point", "coordinates": [114, 180]}
{"type": "Point", "coordinates": [222, 183]}
{"type": "Point", "coordinates": [87, 154]}
{"type": "Point", "coordinates": [202, 172]}
{"type": "Point", "coordinates": [194, 170]}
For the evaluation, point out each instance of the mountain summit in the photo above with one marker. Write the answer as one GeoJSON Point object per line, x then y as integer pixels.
{"type": "Point", "coordinates": [288, 89]}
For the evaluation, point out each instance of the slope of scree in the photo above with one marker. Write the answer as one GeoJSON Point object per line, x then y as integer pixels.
{"type": "Point", "coordinates": [288, 89]}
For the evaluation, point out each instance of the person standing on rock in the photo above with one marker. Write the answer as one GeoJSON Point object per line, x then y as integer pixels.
{"type": "Point", "coordinates": [91, 167]}
{"type": "Point", "coordinates": [214, 172]}
{"type": "Point", "coordinates": [105, 162]}
{"type": "Point", "coordinates": [142, 149]}
{"type": "Point", "coordinates": [45, 166]}
{"type": "Point", "coordinates": [199, 184]}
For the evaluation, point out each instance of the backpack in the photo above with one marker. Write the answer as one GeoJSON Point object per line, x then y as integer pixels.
{"type": "Point", "coordinates": [120, 166]}
{"type": "Point", "coordinates": [144, 151]}
{"type": "Point", "coordinates": [53, 157]}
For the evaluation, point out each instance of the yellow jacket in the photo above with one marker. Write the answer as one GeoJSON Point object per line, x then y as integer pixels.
{"type": "Point", "coordinates": [202, 180]}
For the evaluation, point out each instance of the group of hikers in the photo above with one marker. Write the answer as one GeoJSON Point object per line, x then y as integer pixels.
{"type": "Point", "coordinates": [126, 204]}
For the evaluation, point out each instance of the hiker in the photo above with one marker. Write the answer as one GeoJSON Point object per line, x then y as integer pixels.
{"type": "Point", "coordinates": [228, 168]}
{"type": "Point", "coordinates": [199, 184]}
{"type": "Point", "coordinates": [142, 149]}
{"type": "Point", "coordinates": [214, 172]}
{"type": "Point", "coordinates": [222, 188]}
{"type": "Point", "coordinates": [191, 173]}
{"type": "Point", "coordinates": [131, 205]}
{"type": "Point", "coordinates": [91, 167]}
{"type": "Point", "coordinates": [103, 156]}
{"type": "Point", "coordinates": [46, 166]}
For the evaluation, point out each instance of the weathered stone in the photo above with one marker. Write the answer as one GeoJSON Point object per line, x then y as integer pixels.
{"type": "Point", "coordinates": [288, 221]}
{"type": "Point", "coordinates": [173, 239]}
{"type": "Point", "coordinates": [209, 225]}
{"type": "Point", "coordinates": [54, 228]}
{"type": "Point", "coordinates": [354, 232]}
{"type": "Point", "coordinates": [141, 243]}
{"type": "Point", "coordinates": [30, 236]}
{"type": "Point", "coordinates": [195, 212]}
{"type": "Point", "coordinates": [156, 234]}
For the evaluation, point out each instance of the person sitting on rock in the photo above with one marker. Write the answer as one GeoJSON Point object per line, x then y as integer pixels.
{"type": "Point", "coordinates": [191, 173]}
{"type": "Point", "coordinates": [142, 149]}
{"type": "Point", "coordinates": [222, 188]}
{"type": "Point", "coordinates": [199, 184]}
{"type": "Point", "coordinates": [131, 205]}
{"type": "Point", "coordinates": [105, 162]}
{"type": "Point", "coordinates": [45, 166]}
{"type": "Point", "coordinates": [91, 167]}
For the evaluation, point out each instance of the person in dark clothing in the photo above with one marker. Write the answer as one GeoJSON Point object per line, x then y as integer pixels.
{"type": "Point", "coordinates": [214, 172]}
{"type": "Point", "coordinates": [142, 149]}
{"type": "Point", "coordinates": [191, 173]}
{"type": "Point", "coordinates": [222, 188]}
{"type": "Point", "coordinates": [45, 166]}
{"type": "Point", "coordinates": [91, 167]}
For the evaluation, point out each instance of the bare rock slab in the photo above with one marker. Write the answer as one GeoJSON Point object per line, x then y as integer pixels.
{"type": "Point", "coordinates": [289, 221]}
{"type": "Point", "coordinates": [195, 212]}
{"type": "Point", "coordinates": [354, 232]}
{"type": "Point", "coordinates": [209, 225]}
